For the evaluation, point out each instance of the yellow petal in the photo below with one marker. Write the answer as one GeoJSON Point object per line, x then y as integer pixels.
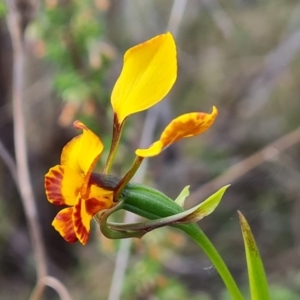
{"type": "Point", "coordinates": [63, 223]}
{"type": "Point", "coordinates": [98, 200]}
{"type": "Point", "coordinates": [62, 185]}
{"type": "Point", "coordinates": [149, 71]}
{"type": "Point", "coordinates": [184, 126]}
{"type": "Point", "coordinates": [83, 151]}
{"type": "Point", "coordinates": [84, 210]}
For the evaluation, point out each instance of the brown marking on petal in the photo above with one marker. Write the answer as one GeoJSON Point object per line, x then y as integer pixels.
{"type": "Point", "coordinates": [63, 223]}
{"type": "Point", "coordinates": [175, 132]}
{"type": "Point", "coordinates": [185, 127]}
{"type": "Point", "coordinates": [81, 232]}
{"type": "Point", "coordinates": [53, 185]}
{"type": "Point", "coordinates": [94, 205]}
{"type": "Point", "coordinates": [200, 116]}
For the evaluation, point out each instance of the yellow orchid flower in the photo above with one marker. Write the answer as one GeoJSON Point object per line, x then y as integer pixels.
{"type": "Point", "coordinates": [69, 184]}
{"type": "Point", "coordinates": [148, 73]}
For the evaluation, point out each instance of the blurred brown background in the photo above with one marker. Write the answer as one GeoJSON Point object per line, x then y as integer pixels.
{"type": "Point", "coordinates": [242, 56]}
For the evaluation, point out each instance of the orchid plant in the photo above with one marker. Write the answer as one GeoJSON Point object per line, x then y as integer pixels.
{"type": "Point", "coordinates": [149, 72]}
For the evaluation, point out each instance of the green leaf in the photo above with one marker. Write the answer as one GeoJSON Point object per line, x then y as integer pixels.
{"type": "Point", "coordinates": [257, 278]}
{"type": "Point", "coordinates": [182, 196]}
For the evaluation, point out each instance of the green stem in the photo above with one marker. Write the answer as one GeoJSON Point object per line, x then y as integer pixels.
{"type": "Point", "coordinates": [128, 176]}
{"type": "Point", "coordinates": [117, 131]}
{"type": "Point", "coordinates": [202, 240]}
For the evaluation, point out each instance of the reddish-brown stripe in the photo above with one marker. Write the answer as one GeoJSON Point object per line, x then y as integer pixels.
{"type": "Point", "coordinates": [81, 232]}
{"type": "Point", "coordinates": [94, 205]}
{"type": "Point", "coordinates": [53, 185]}
{"type": "Point", "coordinates": [65, 226]}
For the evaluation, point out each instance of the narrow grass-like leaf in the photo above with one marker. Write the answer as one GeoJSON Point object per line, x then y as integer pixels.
{"type": "Point", "coordinates": [257, 277]}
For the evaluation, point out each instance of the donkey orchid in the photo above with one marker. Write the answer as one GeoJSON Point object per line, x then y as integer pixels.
{"type": "Point", "coordinates": [149, 72]}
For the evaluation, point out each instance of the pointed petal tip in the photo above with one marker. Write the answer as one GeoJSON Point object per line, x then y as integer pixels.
{"type": "Point", "coordinates": [83, 151]}
{"type": "Point", "coordinates": [212, 116]}
{"type": "Point", "coordinates": [214, 109]}
{"type": "Point", "coordinates": [164, 38]}
{"type": "Point", "coordinates": [79, 125]}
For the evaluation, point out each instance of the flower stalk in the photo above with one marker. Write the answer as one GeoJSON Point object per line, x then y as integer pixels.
{"type": "Point", "coordinates": [194, 231]}
{"type": "Point", "coordinates": [116, 136]}
{"type": "Point", "coordinates": [128, 176]}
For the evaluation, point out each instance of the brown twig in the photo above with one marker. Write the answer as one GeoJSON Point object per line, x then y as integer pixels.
{"type": "Point", "coordinates": [269, 152]}
{"type": "Point", "coordinates": [9, 162]}
{"type": "Point", "coordinates": [21, 168]}
{"type": "Point", "coordinates": [276, 62]}
{"type": "Point", "coordinates": [52, 282]}
{"type": "Point", "coordinates": [13, 19]}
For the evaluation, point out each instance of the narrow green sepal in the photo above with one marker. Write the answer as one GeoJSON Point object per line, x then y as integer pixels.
{"type": "Point", "coordinates": [257, 277]}
{"type": "Point", "coordinates": [205, 208]}
{"type": "Point", "coordinates": [182, 196]}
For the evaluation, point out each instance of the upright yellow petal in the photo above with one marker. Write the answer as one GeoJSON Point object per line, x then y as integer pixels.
{"type": "Point", "coordinates": [83, 151]}
{"type": "Point", "coordinates": [149, 71]}
{"type": "Point", "coordinates": [184, 126]}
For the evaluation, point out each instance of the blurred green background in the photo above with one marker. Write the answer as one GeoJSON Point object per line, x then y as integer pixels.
{"type": "Point", "coordinates": [242, 56]}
